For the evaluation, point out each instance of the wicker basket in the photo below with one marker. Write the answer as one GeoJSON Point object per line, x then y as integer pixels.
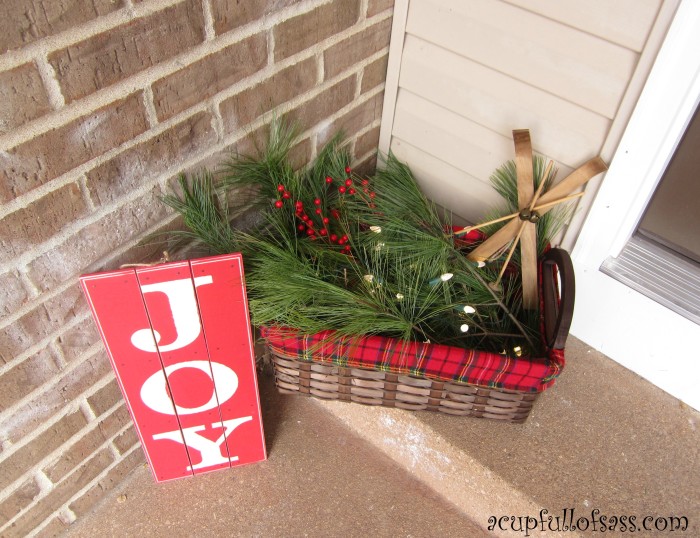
{"type": "Point", "coordinates": [390, 389]}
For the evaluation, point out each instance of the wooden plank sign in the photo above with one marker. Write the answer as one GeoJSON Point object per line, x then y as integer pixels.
{"type": "Point", "coordinates": [178, 336]}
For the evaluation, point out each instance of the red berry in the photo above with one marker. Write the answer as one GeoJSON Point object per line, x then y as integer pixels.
{"type": "Point", "coordinates": [279, 203]}
{"type": "Point", "coordinates": [309, 223]}
{"type": "Point", "coordinates": [348, 169]}
{"type": "Point", "coordinates": [342, 189]}
{"type": "Point", "coordinates": [310, 231]}
{"type": "Point", "coordinates": [351, 191]}
{"type": "Point", "coordinates": [317, 201]}
{"type": "Point", "coordinates": [348, 182]}
{"type": "Point", "coordinates": [318, 211]}
{"type": "Point", "coordinates": [347, 248]}
{"type": "Point", "coordinates": [329, 179]}
{"type": "Point", "coordinates": [298, 204]}
{"type": "Point", "coordinates": [280, 187]}
{"type": "Point", "coordinates": [323, 231]}
{"type": "Point", "coordinates": [334, 238]}
{"type": "Point", "coordinates": [286, 195]}
{"type": "Point", "coordinates": [326, 220]}
{"type": "Point", "coordinates": [304, 218]}
{"type": "Point", "coordinates": [344, 239]}
{"type": "Point", "coordinates": [372, 194]}
{"type": "Point", "coordinates": [365, 182]}
{"type": "Point", "coordinates": [301, 227]}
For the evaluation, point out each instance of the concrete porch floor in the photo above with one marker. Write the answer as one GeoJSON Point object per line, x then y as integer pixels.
{"type": "Point", "coordinates": [600, 439]}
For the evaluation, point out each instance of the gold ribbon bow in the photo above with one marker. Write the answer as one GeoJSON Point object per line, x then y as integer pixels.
{"type": "Point", "coordinates": [521, 228]}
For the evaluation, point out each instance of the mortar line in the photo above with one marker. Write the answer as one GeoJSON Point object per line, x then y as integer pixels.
{"type": "Point", "coordinates": [68, 177]}
{"type": "Point", "coordinates": [63, 286]}
{"type": "Point", "coordinates": [31, 288]}
{"type": "Point", "coordinates": [149, 106]}
{"type": "Point", "coordinates": [86, 430]}
{"type": "Point", "coordinates": [41, 344]}
{"type": "Point", "coordinates": [147, 77]}
{"type": "Point", "coordinates": [48, 385]}
{"type": "Point", "coordinates": [82, 183]}
{"type": "Point", "coordinates": [46, 460]}
{"type": "Point", "coordinates": [45, 485]}
{"type": "Point", "coordinates": [69, 230]}
{"type": "Point", "coordinates": [51, 85]}
{"type": "Point", "coordinates": [104, 23]}
{"type": "Point", "coordinates": [60, 358]}
{"type": "Point", "coordinates": [209, 33]}
{"type": "Point", "coordinates": [68, 514]}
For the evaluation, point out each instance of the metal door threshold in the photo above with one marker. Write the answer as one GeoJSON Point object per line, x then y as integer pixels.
{"type": "Point", "coordinates": [659, 273]}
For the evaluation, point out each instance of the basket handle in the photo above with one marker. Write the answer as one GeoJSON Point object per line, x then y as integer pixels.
{"type": "Point", "coordinates": [558, 311]}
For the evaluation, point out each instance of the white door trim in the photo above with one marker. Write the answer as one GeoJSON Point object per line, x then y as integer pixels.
{"type": "Point", "coordinates": [628, 327]}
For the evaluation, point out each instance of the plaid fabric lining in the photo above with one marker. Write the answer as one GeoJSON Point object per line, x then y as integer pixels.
{"type": "Point", "coordinates": [432, 361]}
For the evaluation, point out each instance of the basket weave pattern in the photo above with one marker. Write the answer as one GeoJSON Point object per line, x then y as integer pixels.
{"type": "Point", "coordinates": [372, 387]}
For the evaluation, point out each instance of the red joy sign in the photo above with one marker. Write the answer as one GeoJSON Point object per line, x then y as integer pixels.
{"type": "Point", "coordinates": [178, 336]}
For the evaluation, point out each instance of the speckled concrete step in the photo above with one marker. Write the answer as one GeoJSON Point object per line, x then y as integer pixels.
{"type": "Point", "coordinates": [320, 480]}
{"type": "Point", "coordinates": [601, 438]}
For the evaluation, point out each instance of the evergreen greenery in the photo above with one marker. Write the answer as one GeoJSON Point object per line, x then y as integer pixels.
{"type": "Point", "coordinates": [379, 264]}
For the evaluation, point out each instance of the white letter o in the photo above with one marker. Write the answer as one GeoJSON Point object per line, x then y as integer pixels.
{"type": "Point", "coordinates": [155, 395]}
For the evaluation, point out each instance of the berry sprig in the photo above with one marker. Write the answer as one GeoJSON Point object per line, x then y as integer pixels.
{"type": "Point", "coordinates": [318, 221]}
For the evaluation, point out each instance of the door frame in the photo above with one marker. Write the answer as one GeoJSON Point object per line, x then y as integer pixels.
{"type": "Point", "coordinates": [633, 330]}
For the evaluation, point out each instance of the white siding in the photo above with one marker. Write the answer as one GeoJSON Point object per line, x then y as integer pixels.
{"type": "Point", "coordinates": [471, 71]}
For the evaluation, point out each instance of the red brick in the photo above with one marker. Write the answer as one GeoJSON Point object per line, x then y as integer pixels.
{"type": "Point", "coordinates": [150, 251]}
{"type": "Point", "coordinates": [14, 466]}
{"type": "Point", "coordinates": [77, 340]}
{"type": "Point", "coordinates": [354, 120]}
{"type": "Point", "coordinates": [30, 20]}
{"type": "Point", "coordinates": [62, 493]}
{"type": "Point", "coordinates": [113, 478]}
{"type": "Point", "coordinates": [114, 422]}
{"type": "Point", "coordinates": [367, 167]}
{"type": "Point", "coordinates": [130, 169]}
{"type": "Point", "coordinates": [257, 100]}
{"type": "Point", "coordinates": [20, 498]}
{"type": "Point", "coordinates": [377, 6]}
{"type": "Point", "coordinates": [26, 376]}
{"type": "Point", "coordinates": [105, 398]}
{"type": "Point", "coordinates": [83, 448]}
{"type": "Point", "coordinates": [208, 76]}
{"type": "Point", "coordinates": [324, 104]}
{"type": "Point", "coordinates": [356, 48]}
{"type": "Point", "coordinates": [125, 440]}
{"type": "Point", "coordinates": [22, 97]}
{"type": "Point", "coordinates": [39, 221]}
{"type": "Point", "coordinates": [104, 59]}
{"type": "Point", "coordinates": [12, 292]}
{"type": "Point", "coordinates": [43, 406]}
{"type": "Point", "coordinates": [59, 150]}
{"type": "Point", "coordinates": [229, 15]}
{"type": "Point", "coordinates": [374, 74]}
{"type": "Point", "coordinates": [367, 142]}
{"type": "Point", "coordinates": [303, 31]}
{"type": "Point", "coordinates": [83, 251]}
{"type": "Point", "coordinates": [41, 322]}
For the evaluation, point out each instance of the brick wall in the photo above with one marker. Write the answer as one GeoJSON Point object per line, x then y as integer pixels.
{"type": "Point", "coordinates": [102, 104]}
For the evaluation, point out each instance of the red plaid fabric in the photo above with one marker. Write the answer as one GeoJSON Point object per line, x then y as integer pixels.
{"type": "Point", "coordinates": [432, 361]}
